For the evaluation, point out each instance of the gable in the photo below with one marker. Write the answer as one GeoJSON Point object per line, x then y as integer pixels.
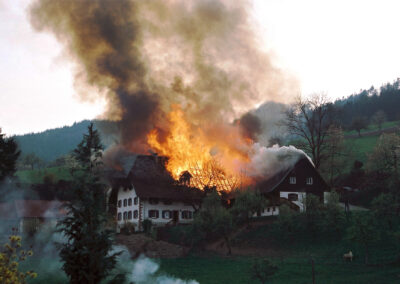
{"type": "Point", "coordinates": [302, 170]}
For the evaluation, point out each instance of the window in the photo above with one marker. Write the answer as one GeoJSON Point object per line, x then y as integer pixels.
{"type": "Point", "coordinates": [273, 209]}
{"type": "Point", "coordinates": [292, 180]}
{"type": "Point", "coordinates": [153, 200]}
{"type": "Point", "coordinates": [125, 215]}
{"type": "Point", "coordinates": [187, 214]}
{"type": "Point", "coordinates": [119, 203]}
{"type": "Point", "coordinates": [119, 216]}
{"type": "Point", "coordinates": [130, 215]}
{"type": "Point", "coordinates": [125, 202]}
{"type": "Point", "coordinates": [153, 214]}
{"type": "Point", "coordinates": [130, 202]}
{"type": "Point", "coordinates": [135, 214]}
{"type": "Point", "coordinates": [268, 209]}
{"type": "Point", "coordinates": [135, 201]}
{"type": "Point", "coordinates": [309, 181]}
{"type": "Point", "coordinates": [167, 202]}
{"type": "Point", "coordinates": [166, 214]}
{"type": "Point", "coordinates": [293, 197]}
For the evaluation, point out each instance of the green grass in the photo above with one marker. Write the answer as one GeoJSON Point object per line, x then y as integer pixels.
{"type": "Point", "coordinates": [215, 269]}
{"type": "Point", "coordinates": [36, 175]}
{"type": "Point", "coordinates": [373, 127]}
{"type": "Point", "coordinates": [361, 146]}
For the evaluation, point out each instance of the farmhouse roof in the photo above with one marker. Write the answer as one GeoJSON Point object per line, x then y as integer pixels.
{"type": "Point", "coordinates": [272, 183]}
{"type": "Point", "coordinates": [8, 211]}
{"type": "Point", "coordinates": [39, 209]}
{"type": "Point", "coordinates": [166, 191]}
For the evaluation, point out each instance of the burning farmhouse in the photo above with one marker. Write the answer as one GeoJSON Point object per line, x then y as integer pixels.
{"type": "Point", "coordinates": [142, 188]}
{"type": "Point", "coordinates": [179, 78]}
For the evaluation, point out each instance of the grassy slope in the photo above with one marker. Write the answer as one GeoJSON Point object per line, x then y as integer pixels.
{"type": "Point", "coordinates": [36, 175]}
{"type": "Point", "coordinates": [373, 127]}
{"type": "Point", "coordinates": [237, 270]}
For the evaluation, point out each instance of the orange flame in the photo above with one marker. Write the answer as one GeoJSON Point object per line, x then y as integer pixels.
{"type": "Point", "coordinates": [214, 155]}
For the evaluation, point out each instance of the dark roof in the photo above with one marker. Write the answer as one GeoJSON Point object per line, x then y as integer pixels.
{"type": "Point", "coordinates": [150, 179]}
{"type": "Point", "coordinates": [145, 189]}
{"type": "Point", "coordinates": [272, 183]}
{"type": "Point", "coordinates": [39, 209]}
{"type": "Point", "coordinates": [8, 211]}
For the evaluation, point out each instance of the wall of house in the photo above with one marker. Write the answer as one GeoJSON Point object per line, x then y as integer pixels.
{"type": "Point", "coordinates": [123, 210]}
{"type": "Point", "coordinates": [143, 207]}
{"type": "Point", "coordinates": [268, 211]}
{"type": "Point", "coordinates": [301, 198]}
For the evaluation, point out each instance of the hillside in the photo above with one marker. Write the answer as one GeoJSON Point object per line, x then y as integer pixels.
{"type": "Point", "coordinates": [53, 143]}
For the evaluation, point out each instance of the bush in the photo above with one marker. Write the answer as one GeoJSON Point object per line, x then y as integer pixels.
{"type": "Point", "coordinates": [147, 226]}
{"type": "Point", "coordinates": [10, 257]}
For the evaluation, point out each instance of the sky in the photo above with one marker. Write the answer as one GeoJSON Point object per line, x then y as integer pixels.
{"type": "Point", "coordinates": [337, 47]}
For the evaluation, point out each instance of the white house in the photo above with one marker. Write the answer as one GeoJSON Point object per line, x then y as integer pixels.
{"type": "Point", "coordinates": [291, 186]}
{"type": "Point", "coordinates": [146, 191]}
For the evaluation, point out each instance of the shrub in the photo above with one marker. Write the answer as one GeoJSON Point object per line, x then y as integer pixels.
{"type": "Point", "coordinates": [10, 257]}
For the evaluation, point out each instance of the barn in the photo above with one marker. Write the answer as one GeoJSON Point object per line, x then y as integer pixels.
{"type": "Point", "coordinates": [291, 185]}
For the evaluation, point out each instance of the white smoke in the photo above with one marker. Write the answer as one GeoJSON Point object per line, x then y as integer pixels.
{"type": "Point", "coordinates": [271, 116]}
{"type": "Point", "coordinates": [268, 161]}
{"type": "Point", "coordinates": [145, 270]}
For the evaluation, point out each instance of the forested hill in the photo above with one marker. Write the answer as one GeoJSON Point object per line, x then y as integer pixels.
{"type": "Point", "coordinates": [367, 102]}
{"type": "Point", "coordinates": [53, 143]}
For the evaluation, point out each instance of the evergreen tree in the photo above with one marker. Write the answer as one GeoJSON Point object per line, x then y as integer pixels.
{"type": "Point", "coordinates": [87, 252]}
{"type": "Point", "coordinates": [9, 154]}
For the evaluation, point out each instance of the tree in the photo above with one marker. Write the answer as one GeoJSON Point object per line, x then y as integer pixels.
{"type": "Point", "coordinates": [247, 203]}
{"type": "Point", "coordinates": [379, 118]}
{"type": "Point", "coordinates": [214, 219]}
{"type": "Point", "coordinates": [363, 231]}
{"type": "Point", "coordinates": [385, 156]}
{"type": "Point", "coordinates": [31, 160]}
{"type": "Point", "coordinates": [87, 252]}
{"type": "Point", "coordinates": [335, 152]}
{"type": "Point", "coordinates": [262, 270]}
{"type": "Point", "coordinates": [386, 208]}
{"type": "Point", "coordinates": [89, 151]}
{"type": "Point", "coordinates": [358, 123]}
{"type": "Point", "coordinates": [286, 223]}
{"type": "Point", "coordinates": [334, 217]}
{"type": "Point", "coordinates": [313, 213]}
{"type": "Point", "coordinates": [10, 257]}
{"type": "Point", "coordinates": [309, 119]}
{"type": "Point", "coordinates": [9, 154]}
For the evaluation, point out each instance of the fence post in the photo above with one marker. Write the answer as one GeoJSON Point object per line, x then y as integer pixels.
{"type": "Point", "coordinates": [313, 270]}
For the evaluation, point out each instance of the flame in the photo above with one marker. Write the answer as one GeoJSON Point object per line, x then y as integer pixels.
{"type": "Point", "coordinates": [214, 155]}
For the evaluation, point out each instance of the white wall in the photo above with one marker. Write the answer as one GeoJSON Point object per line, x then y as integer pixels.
{"type": "Point", "coordinates": [301, 198]}
{"type": "Point", "coordinates": [146, 206]}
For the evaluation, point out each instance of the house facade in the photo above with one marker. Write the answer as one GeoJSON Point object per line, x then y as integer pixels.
{"type": "Point", "coordinates": [292, 185]}
{"type": "Point", "coordinates": [146, 191]}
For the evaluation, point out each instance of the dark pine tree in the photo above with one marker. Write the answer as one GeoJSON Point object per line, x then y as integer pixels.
{"type": "Point", "coordinates": [9, 154]}
{"type": "Point", "coordinates": [87, 253]}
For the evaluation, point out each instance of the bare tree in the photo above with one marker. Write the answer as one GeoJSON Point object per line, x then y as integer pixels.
{"type": "Point", "coordinates": [379, 118]}
{"type": "Point", "coordinates": [309, 119]}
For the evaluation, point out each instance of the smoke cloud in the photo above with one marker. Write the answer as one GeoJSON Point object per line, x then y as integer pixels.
{"type": "Point", "coordinates": [268, 161]}
{"type": "Point", "coordinates": [145, 56]}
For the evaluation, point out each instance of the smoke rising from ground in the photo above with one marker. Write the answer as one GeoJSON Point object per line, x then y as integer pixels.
{"type": "Point", "coordinates": [145, 56]}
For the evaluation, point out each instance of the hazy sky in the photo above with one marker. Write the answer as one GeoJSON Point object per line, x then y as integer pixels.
{"type": "Point", "coordinates": [338, 47]}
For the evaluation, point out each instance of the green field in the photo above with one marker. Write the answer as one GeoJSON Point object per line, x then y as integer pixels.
{"type": "Point", "coordinates": [373, 127]}
{"type": "Point", "coordinates": [37, 175]}
{"type": "Point", "coordinates": [220, 270]}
